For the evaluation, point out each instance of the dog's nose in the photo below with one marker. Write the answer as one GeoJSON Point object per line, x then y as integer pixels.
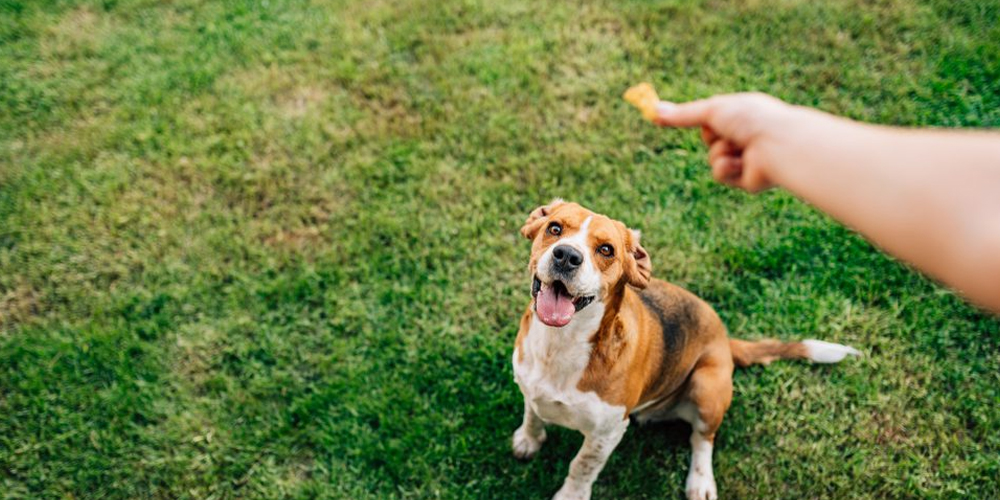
{"type": "Point", "coordinates": [566, 258]}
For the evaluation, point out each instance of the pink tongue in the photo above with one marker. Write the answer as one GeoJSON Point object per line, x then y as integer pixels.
{"type": "Point", "coordinates": [554, 308]}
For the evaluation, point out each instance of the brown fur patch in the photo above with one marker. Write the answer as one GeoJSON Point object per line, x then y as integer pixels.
{"type": "Point", "coordinates": [522, 332]}
{"type": "Point", "coordinates": [649, 344]}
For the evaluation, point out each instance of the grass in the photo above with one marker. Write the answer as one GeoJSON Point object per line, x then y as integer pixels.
{"type": "Point", "coordinates": [269, 249]}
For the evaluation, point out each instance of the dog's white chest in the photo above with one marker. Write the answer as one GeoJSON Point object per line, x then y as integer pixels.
{"type": "Point", "coordinates": [552, 365]}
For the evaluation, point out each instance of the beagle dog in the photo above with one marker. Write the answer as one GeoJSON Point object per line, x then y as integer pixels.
{"type": "Point", "coordinates": [601, 340]}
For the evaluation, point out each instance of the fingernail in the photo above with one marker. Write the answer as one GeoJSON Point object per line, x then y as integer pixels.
{"type": "Point", "coordinates": [665, 108]}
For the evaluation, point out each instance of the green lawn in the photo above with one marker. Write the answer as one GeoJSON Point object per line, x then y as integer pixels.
{"type": "Point", "coordinates": [269, 249]}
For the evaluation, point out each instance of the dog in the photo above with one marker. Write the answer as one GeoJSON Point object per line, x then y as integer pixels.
{"type": "Point", "coordinates": [602, 341]}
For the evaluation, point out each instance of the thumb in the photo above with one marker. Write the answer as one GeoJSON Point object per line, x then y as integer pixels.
{"type": "Point", "coordinates": [689, 114]}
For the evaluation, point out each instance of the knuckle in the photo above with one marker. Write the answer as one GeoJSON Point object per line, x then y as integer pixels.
{"type": "Point", "coordinates": [719, 171]}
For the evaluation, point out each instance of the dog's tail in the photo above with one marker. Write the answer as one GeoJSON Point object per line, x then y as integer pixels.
{"type": "Point", "coordinates": [746, 353]}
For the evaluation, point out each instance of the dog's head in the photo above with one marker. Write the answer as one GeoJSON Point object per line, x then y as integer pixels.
{"type": "Point", "coordinates": [578, 257]}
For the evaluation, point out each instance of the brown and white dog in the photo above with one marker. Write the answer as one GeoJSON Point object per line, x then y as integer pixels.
{"type": "Point", "coordinates": [601, 340]}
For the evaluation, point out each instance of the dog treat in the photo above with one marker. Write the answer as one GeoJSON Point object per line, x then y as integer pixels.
{"type": "Point", "coordinates": [643, 97]}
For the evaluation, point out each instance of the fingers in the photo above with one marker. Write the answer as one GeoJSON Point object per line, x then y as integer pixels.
{"type": "Point", "coordinates": [722, 148]}
{"type": "Point", "coordinates": [729, 124]}
{"type": "Point", "coordinates": [689, 114]}
{"type": "Point", "coordinates": [728, 170]}
{"type": "Point", "coordinates": [708, 135]}
{"type": "Point", "coordinates": [726, 161]}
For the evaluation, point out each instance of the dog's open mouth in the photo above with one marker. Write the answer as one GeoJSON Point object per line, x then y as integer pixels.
{"type": "Point", "coordinates": [554, 304]}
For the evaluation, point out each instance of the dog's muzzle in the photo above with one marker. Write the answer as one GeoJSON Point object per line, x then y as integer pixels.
{"type": "Point", "coordinates": [554, 303]}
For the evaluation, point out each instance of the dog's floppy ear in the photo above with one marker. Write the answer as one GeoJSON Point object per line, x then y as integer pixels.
{"type": "Point", "coordinates": [638, 268]}
{"type": "Point", "coordinates": [538, 218]}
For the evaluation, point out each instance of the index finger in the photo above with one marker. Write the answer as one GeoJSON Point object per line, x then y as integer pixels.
{"type": "Point", "coordinates": [689, 114]}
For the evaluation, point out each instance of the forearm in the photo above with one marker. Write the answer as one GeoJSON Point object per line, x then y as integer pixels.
{"type": "Point", "coordinates": [931, 198]}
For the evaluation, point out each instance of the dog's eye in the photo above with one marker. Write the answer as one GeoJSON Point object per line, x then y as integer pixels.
{"type": "Point", "coordinates": [555, 229]}
{"type": "Point", "coordinates": [606, 250]}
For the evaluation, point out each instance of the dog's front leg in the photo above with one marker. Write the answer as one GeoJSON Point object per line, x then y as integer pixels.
{"type": "Point", "coordinates": [597, 447]}
{"type": "Point", "coordinates": [528, 438]}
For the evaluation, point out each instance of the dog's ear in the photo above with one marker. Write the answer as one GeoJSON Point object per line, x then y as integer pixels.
{"type": "Point", "coordinates": [638, 268]}
{"type": "Point", "coordinates": [537, 219]}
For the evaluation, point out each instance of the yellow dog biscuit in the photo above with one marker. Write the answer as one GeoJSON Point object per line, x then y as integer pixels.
{"type": "Point", "coordinates": [643, 97]}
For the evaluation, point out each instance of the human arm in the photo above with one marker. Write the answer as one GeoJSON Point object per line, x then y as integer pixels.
{"type": "Point", "coordinates": [928, 197]}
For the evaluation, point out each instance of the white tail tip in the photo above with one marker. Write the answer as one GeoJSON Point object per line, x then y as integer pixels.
{"type": "Point", "coordinates": [828, 352]}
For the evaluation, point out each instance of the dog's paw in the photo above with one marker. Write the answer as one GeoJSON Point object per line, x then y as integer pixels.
{"type": "Point", "coordinates": [571, 491]}
{"type": "Point", "coordinates": [701, 487]}
{"type": "Point", "coordinates": [526, 446]}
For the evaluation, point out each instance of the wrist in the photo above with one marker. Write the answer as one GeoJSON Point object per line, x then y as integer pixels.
{"type": "Point", "coordinates": [799, 138]}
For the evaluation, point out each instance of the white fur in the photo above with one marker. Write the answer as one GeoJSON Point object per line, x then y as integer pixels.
{"type": "Point", "coordinates": [590, 460]}
{"type": "Point", "coordinates": [701, 478]}
{"type": "Point", "coordinates": [587, 280]}
{"type": "Point", "coordinates": [529, 437]}
{"type": "Point", "coordinates": [554, 360]}
{"type": "Point", "coordinates": [553, 364]}
{"type": "Point", "coordinates": [828, 352]}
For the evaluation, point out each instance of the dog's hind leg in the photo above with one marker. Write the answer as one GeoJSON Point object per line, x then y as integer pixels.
{"type": "Point", "coordinates": [708, 397]}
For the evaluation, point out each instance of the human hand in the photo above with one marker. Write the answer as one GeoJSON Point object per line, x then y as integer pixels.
{"type": "Point", "coordinates": [743, 133]}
